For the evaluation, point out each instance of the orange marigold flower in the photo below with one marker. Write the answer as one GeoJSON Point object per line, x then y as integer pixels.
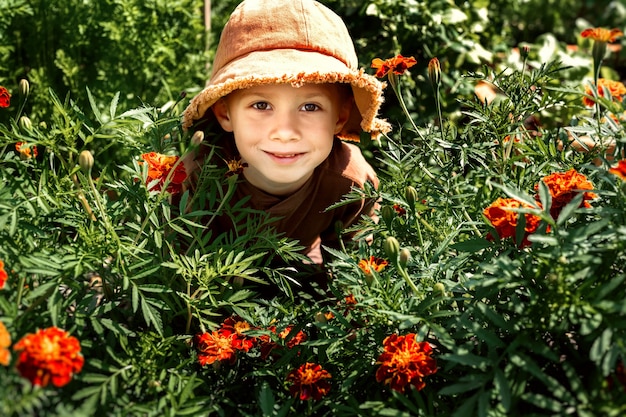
{"type": "Point", "coordinates": [504, 220]}
{"type": "Point", "coordinates": [373, 263]}
{"type": "Point", "coordinates": [619, 170]}
{"type": "Point", "coordinates": [397, 65]}
{"type": "Point", "coordinates": [159, 168]}
{"type": "Point", "coordinates": [5, 97]}
{"type": "Point", "coordinates": [237, 327]}
{"type": "Point", "coordinates": [309, 381]}
{"type": "Point", "coordinates": [25, 151]}
{"type": "Point", "coordinates": [215, 346]}
{"type": "Point", "coordinates": [3, 275]}
{"type": "Point", "coordinates": [350, 300]}
{"type": "Point", "coordinates": [5, 342]}
{"type": "Point", "coordinates": [616, 88]}
{"type": "Point", "coordinates": [602, 34]}
{"type": "Point", "coordinates": [50, 355]}
{"type": "Point", "coordinates": [405, 361]}
{"type": "Point", "coordinates": [235, 167]}
{"type": "Point", "coordinates": [563, 188]}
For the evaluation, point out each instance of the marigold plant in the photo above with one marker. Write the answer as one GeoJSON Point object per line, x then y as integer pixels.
{"type": "Point", "coordinates": [619, 169]}
{"type": "Point", "coordinates": [373, 263]}
{"type": "Point", "coordinates": [309, 381]}
{"type": "Point", "coordinates": [505, 220]}
{"type": "Point", "coordinates": [5, 97]}
{"type": "Point", "coordinates": [160, 169]}
{"type": "Point", "coordinates": [396, 65]}
{"type": "Point", "coordinates": [49, 355]}
{"type": "Point", "coordinates": [615, 88]}
{"type": "Point", "coordinates": [405, 362]}
{"type": "Point", "coordinates": [215, 347]}
{"type": "Point", "coordinates": [563, 188]}
{"type": "Point", "coordinates": [26, 152]}
{"type": "Point", "coordinates": [3, 275]}
{"type": "Point", "coordinates": [5, 343]}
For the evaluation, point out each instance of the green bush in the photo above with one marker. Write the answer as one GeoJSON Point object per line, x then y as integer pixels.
{"type": "Point", "coordinates": [529, 323]}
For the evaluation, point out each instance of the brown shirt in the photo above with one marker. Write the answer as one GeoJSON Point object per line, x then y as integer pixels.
{"type": "Point", "coordinates": [303, 215]}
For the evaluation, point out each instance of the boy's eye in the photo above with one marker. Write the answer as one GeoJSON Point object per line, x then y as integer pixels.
{"type": "Point", "coordinates": [261, 105]}
{"type": "Point", "coordinates": [310, 107]}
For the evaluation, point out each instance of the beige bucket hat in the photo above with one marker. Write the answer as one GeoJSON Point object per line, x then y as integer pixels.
{"type": "Point", "coordinates": [290, 42]}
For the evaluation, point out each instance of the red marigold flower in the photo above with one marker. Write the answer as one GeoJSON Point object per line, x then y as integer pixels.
{"type": "Point", "coordinates": [405, 361]}
{"type": "Point", "coordinates": [25, 151]}
{"type": "Point", "coordinates": [373, 263]}
{"type": "Point", "coordinates": [5, 342]}
{"type": "Point", "coordinates": [401, 211]}
{"type": "Point", "coordinates": [309, 381]}
{"type": "Point", "coordinates": [619, 170]}
{"type": "Point", "coordinates": [237, 327]}
{"type": "Point", "coordinates": [215, 346]}
{"type": "Point", "coordinates": [159, 167]}
{"type": "Point", "coordinates": [235, 167]}
{"type": "Point", "coordinates": [602, 34]}
{"type": "Point", "coordinates": [5, 97]}
{"type": "Point", "coordinates": [397, 65]}
{"type": "Point", "coordinates": [616, 88]}
{"type": "Point", "coordinates": [504, 220]}
{"type": "Point", "coordinates": [268, 345]}
{"type": "Point", "coordinates": [564, 186]}
{"type": "Point", "coordinates": [3, 275]}
{"type": "Point", "coordinates": [50, 355]}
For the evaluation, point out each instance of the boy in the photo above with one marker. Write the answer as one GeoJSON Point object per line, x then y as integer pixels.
{"type": "Point", "coordinates": [285, 83]}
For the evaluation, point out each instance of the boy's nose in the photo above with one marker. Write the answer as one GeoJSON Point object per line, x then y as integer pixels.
{"type": "Point", "coordinates": [285, 128]}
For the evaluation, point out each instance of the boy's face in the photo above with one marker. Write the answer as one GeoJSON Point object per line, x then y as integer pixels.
{"type": "Point", "coordinates": [283, 132]}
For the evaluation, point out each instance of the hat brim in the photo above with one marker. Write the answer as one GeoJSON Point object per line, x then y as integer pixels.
{"type": "Point", "coordinates": [284, 66]}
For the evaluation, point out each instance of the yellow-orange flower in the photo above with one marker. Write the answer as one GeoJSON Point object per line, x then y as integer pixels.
{"type": "Point", "coordinates": [616, 88]}
{"type": "Point", "coordinates": [159, 167]}
{"type": "Point", "coordinates": [505, 220]}
{"type": "Point", "coordinates": [268, 346]}
{"type": "Point", "coordinates": [404, 362]}
{"type": "Point", "coordinates": [397, 65]}
{"type": "Point", "coordinates": [563, 188]}
{"type": "Point", "coordinates": [309, 381]}
{"type": "Point", "coordinates": [50, 355]}
{"type": "Point", "coordinates": [602, 34]}
{"type": "Point", "coordinates": [215, 346]}
{"type": "Point", "coordinates": [235, 167]}
{"type": "Point", "coordinates": [25, 151]}
{"type": "Point", "coordinates": [372, 264]}
{"type": "Point", "coordinates": [5, 342]}
{"type": "Point", "coordinates": [619, 170]}
{"type": "Point", "coordinates": [3, 275]}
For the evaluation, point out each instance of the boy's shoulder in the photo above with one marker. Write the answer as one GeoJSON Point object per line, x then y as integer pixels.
{"type": "Point", "coordinates": [346, 161]}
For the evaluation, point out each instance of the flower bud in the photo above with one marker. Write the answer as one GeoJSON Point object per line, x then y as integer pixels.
{"type": "Point", "coordinates": [525, 51]}
{"type": "Point", "coordinates": [388, 214]}
{"type": "Point", "coordinates": [25, 123]}
{"type": "Point", "coordinates": [85, 160]}
{"type": "Point", "coordinates": [24, 87]}
{"type": "Point", "coordinates": [392, 247]}
{"type": "Point", "coordinates": [197, 138]}
{"type": "Point", "coordinates": [405, 255]}
{"type": "Point", "coordinates": [320, 318]}
{"type": "Point", "coordinates": [434, 72]}
{"type": "Point", "coordinates": [439, 289]}
{"type": "Point", "coordinates": [410, 194]}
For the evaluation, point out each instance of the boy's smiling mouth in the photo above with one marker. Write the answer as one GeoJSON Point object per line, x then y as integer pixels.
{"type": "Point", "coordinates": [282, 157]}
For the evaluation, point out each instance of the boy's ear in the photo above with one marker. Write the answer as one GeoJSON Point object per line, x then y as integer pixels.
{"type": "Point", "coordinates": [344, 114]}
{"type": "Point", "coordinates": [220, 110]}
